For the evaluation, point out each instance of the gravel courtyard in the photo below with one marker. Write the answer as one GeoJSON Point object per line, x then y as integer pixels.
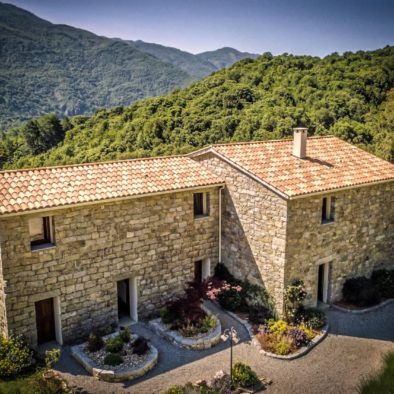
{"type": "Point", "coordinates": [352, 350]}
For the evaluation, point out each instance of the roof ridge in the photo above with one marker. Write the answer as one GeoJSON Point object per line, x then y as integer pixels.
{"type": "Point", "coordinates": [93, 163]}
{"type": "Point", "coordinates": [270, 141]}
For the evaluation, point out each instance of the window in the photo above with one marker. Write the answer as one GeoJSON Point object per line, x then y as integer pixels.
{"type": "Point", "coordinates": [328, 210]}
{"type": "Point", "coordinates": [201, 204]}
{"type": "Point", "coordinates": [41, 232]}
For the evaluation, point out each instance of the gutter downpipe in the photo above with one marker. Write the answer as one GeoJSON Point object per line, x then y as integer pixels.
{"type": "Point", "coordinates": [220, 224]}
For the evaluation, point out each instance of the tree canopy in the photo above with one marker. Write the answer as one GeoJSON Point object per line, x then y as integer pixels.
{"type": "Point", "coordinates": [349, 95]}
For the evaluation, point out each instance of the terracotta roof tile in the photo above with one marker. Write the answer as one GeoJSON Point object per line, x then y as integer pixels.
{"type": "Point", "coordinates": [32, 189]}
{"type": "Point", "coordinates": [330, 164]}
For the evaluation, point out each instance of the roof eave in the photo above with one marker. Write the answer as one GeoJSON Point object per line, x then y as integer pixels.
{"type": "Point", "coordinates": [108, 200]}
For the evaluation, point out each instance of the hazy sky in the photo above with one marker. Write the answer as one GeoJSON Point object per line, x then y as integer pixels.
{"type": "Point", "coordinates": [316, 27]}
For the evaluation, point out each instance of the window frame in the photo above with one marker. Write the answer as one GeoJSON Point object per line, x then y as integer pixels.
{"type": "Point", "coordinates": [204, 211]}
{"type": "Point", "coordinates": [48, 240]}
{"type": "Point", "coordinates": [328, 209]}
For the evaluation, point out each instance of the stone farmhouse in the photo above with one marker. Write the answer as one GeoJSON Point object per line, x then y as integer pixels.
{"type": "Point", "coordinates": [84, 246]}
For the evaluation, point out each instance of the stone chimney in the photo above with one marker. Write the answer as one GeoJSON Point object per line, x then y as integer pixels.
{"type": "Point", "coordinates": [299, 142]}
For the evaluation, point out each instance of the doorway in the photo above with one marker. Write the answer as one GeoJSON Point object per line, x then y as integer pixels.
{"type": "Point", "coordinates": [198, 271]}
{"type": "Point", "coordinates": [322, 283]}
{"type": "Point", "coordinates": [45, 321]}
{"type": "Point", "coordinates": [127, 298]}
{"type": "Point", "coordinates": [123, 298]}
{"type": "Point", "coordinates": [202, 270]}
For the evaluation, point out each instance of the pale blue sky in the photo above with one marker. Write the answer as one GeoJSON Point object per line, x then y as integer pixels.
{"type": "Point", "coordinates": [316, 27]}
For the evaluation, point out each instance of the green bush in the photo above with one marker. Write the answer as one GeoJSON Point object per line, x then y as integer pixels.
{"type": "Point", "coordinates": [283, 346]}
{"type": "Point", "coordinates": [114, 345]}
{"type": "Point", "coordinates": [312, 317]}
{"type": "Point", "coordinates": [51, 357]}
{"type": "Point", "coordinates": [360, 291]}
{"type": "Point", "coordinates": [95, 342]}
{"type": "Point", "coordinates": [222, 273]}
{"type": "Point", "coordinates": [383, 281]}
{"type": "Point", "coordinates": [15, 356]}
{"type": "Point", "coordinates": [113, 359]}
{"type": "Point", "coordinates": [166, 316]}
{"type": "Point", "coordinates": [243, 375]}
{"type": "Point", "coordinates": [278, 327]}
{"type": "Point", "coordinates": [125, 335]}
{"type": "Point", "coordinates": [208, 323]}
{"type": "Point", "coordinates": [259, 314]}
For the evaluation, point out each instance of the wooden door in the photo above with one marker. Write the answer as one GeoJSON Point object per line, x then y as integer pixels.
{"type": "Point", "coordinates": [45, 321]}
{"type": "Point", "coordinates": [198, 271]}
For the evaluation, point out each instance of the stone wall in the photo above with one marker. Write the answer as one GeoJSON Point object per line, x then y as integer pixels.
{"type": "Point", "coordinates": [154, 238]}
{"type": "Point", "coordinates": [360, 239]}
{"type": "Point", "coordinates": [253, 228]}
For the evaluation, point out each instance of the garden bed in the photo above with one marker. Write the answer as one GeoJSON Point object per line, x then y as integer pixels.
{"type": "Point", "coordinates": [111, 366]}
{"type": "Point", "coordinates": [243, 380]}
{"type": "Point", "coordinates": [202, 340]}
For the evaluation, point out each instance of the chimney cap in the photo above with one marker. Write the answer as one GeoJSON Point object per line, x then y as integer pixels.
{"type": "Point", "coordinates": [298, 129]}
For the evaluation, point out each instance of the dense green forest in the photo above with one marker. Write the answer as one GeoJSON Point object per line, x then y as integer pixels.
{"type": "Point", "coordinates": [349, 95]}
{"type": "Point", "coordinates": [57, 68]}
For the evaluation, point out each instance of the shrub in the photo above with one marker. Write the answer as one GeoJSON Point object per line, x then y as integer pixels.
{"type": "Point", "coordinates": [383, 281]}
{"type": "Point", "coordinates": [125, 335]}
{"type": "Point", "coordinates": [308, 332]}
{"type": "Point", "coordinates": [268, 341]}
{"type": "Point", "coordinates": [186, 309]}
{"type": "Point", "coordinates": [278, 327]}
{"type": "Point", "coordinates": [114, 345]}
{"type": "Point", "coordinates": [360, 291]}
{"type": "Point", "coordinates": [298, 337]}
{"type": "Point", "coordinates": [312, 317]}
{"type": "Point", "coordinates": [140, 346]}
{"type": "Point", "coordinates": [259, 314]}
{"type": "Point", "coordinates": [222, 273]}
{"type": "Point", "coordinates": [189, 330]}
{"type": "Point", "coordinates": [243, 375]}
{"type": "Point", "coordinates": [95, 342]}
{"type": "Point", "coordinates": [113, 359]}
{"type": "Point", "coordinates": [232, 298]}
{"type": "Point", "coordinates": [283, 346]}
{"type": "Point", "coordinates": [166, 316]}
{"type": "Point", "coordinates": [51, 357]}
{"type": "Point", "coordinates": [352, 289]}
{"type": "Point", "coordinates": [15, 356]}
{"type": "Point", "coordinates": [294, 295]}
{"type": "Point", "coordinates": [208, 323]}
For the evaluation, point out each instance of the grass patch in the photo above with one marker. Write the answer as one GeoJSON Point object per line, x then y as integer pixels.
{"type": "Point", "coordinates": [382, 382]}
{"type": "Point", "coordinates": [20, 385]}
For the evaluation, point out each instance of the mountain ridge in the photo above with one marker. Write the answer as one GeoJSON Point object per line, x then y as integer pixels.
{"type": "Point", "coordinates": [48, 67]}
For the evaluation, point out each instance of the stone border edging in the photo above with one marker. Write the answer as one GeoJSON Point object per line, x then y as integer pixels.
{"type": "Point", "coordinates": [299, 353]}
{"type": "Point", "coordinates": [361, 311]}
{"type": "Point", "coordinates": [112, 376]}
{"type": "Point", "coordinates": [203, 342]}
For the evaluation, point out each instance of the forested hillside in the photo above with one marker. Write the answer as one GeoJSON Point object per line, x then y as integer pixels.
{"type": "Point", "coordinates": [198, 66]}
{"type": "Point", "coordinates": [46, 67]}
{"type": "Point", "coordinates": [349, 95]}
{"type": "Point", "coordinates": [57, 68]}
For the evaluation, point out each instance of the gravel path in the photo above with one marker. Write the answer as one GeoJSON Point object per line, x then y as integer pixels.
{"type": "Point", "coordinates": [352, 349]}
